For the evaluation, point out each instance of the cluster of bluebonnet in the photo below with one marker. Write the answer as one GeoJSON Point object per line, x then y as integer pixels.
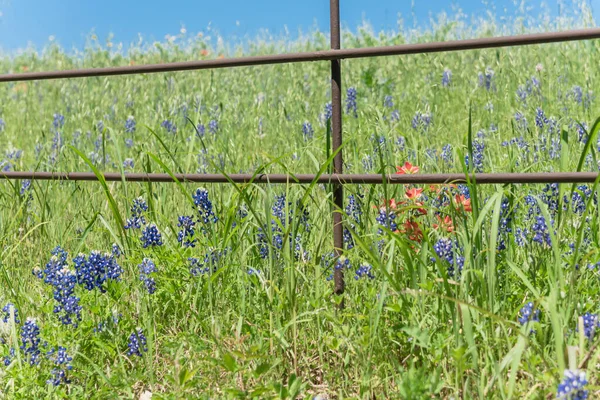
{"type": "Point", "coordinates": [307, 131]}
{"type": "Point", "coordinates": [451, 253]}
{"type": "Point", "coordinates": [137, 343]}
{"type": "Point", "coordinates": [486, 79]}
{"type": "Point", "coordinates": [341, 263]}
{"type": "Point", "coordinates": [169, 126]}
{"type": "Point", "coordinates": [205, 216]}
{"type": "Point", "coordinates": [573, 386]}
{"type": "Point", "coordinates": [62, 363]}
{"type": "Point", "coordinates": [590, 324]}
{"type": "Point", "coordinates": [354, 214]}
{"type": "Point", "coordinates": [146, 268]}
{"type": "Point", "coordinates": [421, 121]}
{"type": "Point", "coordinates": [446, 78]}
{"type": "Point", "coordinates": [529, 314]}
{"type": "Point", "coordinates": [31, 348]}
{"type": "Point", "coordinates": [209, 264]}
{"type": "Point", "coordinates": [91, 272]}
{"type": "Point", "coordinates": [388, 103]}
{"type": "Point", "coordinates": [478, 156]}
{"type": "Point", "coordinates": [531, 88]}
{"type": "Point", "coordinates": [9, 309]}
{"type": "Point", "coordinates": [364, 271]}
{"type": "Point", "coordinates": [151, 236]}
{"type": "Point", "coordinates": [130, 124]}
{"type": "Point", "coordinates": [351, 106]}
{"type": "Point", "coordinates": [387, 219]}
{"type": "Point", "coordinates": [282, 225]}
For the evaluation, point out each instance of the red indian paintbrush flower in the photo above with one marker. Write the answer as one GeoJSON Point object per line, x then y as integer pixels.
{"type": "Point", "coordinates": [407, 168]}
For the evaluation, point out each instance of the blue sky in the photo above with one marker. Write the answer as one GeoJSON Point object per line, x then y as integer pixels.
{"type": "Point", "coordinates": [71, 21]}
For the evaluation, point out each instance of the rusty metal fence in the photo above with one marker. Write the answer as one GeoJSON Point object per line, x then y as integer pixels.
{"type": "Point", "coordinates": [338, 179]}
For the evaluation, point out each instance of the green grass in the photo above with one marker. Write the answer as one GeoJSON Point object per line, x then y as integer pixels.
{"type": "Point", "coordinates": [413, 332]}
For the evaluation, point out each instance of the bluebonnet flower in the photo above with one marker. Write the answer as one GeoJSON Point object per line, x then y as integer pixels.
{"type": "Point", "coordinates": [532, 87]}
{"type": "Point", "coordinates": [130, 124]}
{"type": "Point", "coordinates": [486, 79]}
{"type": "Point", "coordinates": [400, 143]}
{"type": "Point", "coordinates": [100, 126]}
{"type": "Point", "coordinates": [388, 102]}
{"type": "Point", "coordinates": [8, 359]}
{"type": "Point", "coordinates": [521, 120]}
{"type": "Point", "coordinates": [30, 341]}
{"type": "Point", "coordinates": [364, 271]}
{"type": "Point", "coordinates": [590, 324]}
{"type": "Point", "coordinates": [447, 154]}
{"type": "Point", "coordinates": [169, 126]}
{"type": "Point", "coordinates": [151, 236]}
{"type": "Point", "coordinates": [2, 125]}
{"type": "Point", "coordinates": [129, 143]}
{"type": "Point", "coordinates": [204, 206]}
{"type": "Point", "coordinates": [62, 363]}
{"type": "Point", "coordinates": [59, 121]}
{"type": "Point", "coordinates": [582, 130]}
{"type": "Point", "coordinates": [213, 126]}
{"type": "Point", "coordinates": [528, 314]}
{"type": "Point", "coordinates": [446, 78]}
{"type": "Point", "coordinates": [395, 116]}
{"type": "Point", "coordinates": [351, 101]}
{"type": "Point", "coordinates": [354, 213]}
{"type": "Point", "coordinates": [279, 222]}
{"type": "Point", "coordinates": [572, 386]}
{"type": "Point", "coordinates": [449, 251]}
{"type": "Point", "coordinates": [200, 130]}
{"type": "Point", "coordinates": [210, 263]}
{"type": "Point", "coordinates": [368, 163]}
{"type": "Point", "coordinates": [7, 309]}
{"type": "Point", "coordinates": [540, 231]}
{"type": "Point", "coordinates": [340, 264]}
{"type": "Point", "coordinates": [540, 118]}
{"type": "Point", "coordinates": [25, 186]}
{"type": "Point", "coordinates": [186, 234]}
{"type": "Point", "coordinates": [478, 156]}
{"type": "Point", "coordinates": [521, 236]}
{"type": "Point", "coordinates": [116, 250]}
{"type": "Point", "coordinates": [138, 209]}
{"type": "Point", "coordinates": [421, 121]}
{"type": "Point", "coordinates": [146, 268]}
{"type": "Point", "coordinates": [137, 343]}
{"type": "Point", "coordinates": [327, 113]}
{"type": "Point", "coordinates": [68, 309]}
{"type": "Point", "coordinates": [387, 219]}
{"type": "Point", "coordinates": [307, 131]}
{"type": "Point", "coordinates": [128, 163]}
{"type": "Point", "coordinates": [94, 270]}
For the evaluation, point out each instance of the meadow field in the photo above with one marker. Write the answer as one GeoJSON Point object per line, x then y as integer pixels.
{"type": "Point", "coordinates": [180, 290]}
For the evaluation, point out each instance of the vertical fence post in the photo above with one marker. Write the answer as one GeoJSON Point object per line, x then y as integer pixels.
{"type": "Point", "coordinates": [336, 135]}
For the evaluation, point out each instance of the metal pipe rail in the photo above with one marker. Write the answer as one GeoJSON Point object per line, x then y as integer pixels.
{"type": "Point", "coordinates": [325, 55]}
{"type": "Point", "coordinates": [304, 179]}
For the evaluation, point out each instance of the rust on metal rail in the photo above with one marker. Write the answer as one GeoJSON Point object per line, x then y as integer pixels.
{"type": "Point", "coordinates": [341, 179]}
{"type": "Point", "coordinates": [325, 55]}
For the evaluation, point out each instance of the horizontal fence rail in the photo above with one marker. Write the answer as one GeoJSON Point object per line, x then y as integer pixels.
{"type": "Point", "coordinates": [371, 179]}
{"type": "Point", "coordinates": [325, 55]}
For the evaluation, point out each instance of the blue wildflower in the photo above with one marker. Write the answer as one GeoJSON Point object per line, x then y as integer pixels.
{"type": "Point", "coordinates": [130, 124]}
{"type": "Point", "coordinates": [528, 314]}
{"type": "Point", "coordinates": [204, 207]}
{"type": "Point", "coordinates": [30, 341]}
{"type": "Point", "coordinates": [7, 310]}
{"type": "Point", "coordinates": [169, 126]}
{"type": "Point", "coordinates": [62, 363]}
{"type": "Point", "coordinates": [94, 270]}
{"type": "Point", "coordinates": [351, 101]}
{"type": "Point", "coordinates": [146, 268]}
{"type": "Point", "coordinates": [186, 234]}
{"type": "Point", "coordinates": [128, 163]}
{"type": "Point", "coordinates": [213, 126]}
{"type": "Point", "coordinates": [449, 251]}
{"type": "Point", "coordinates": [59, 121]}
{"type": "Point", "coordinates": [151, 236]}
{"type": "Point", "coordinates": [365, 270]}
{"type": "Point", "coordinates": [138, 209]}
{"type": "Point", "coordinates": [137, 343]}
{"type": "Point", "coordinates": [446, 78]}
{"type": "Point", "coordinates": [572, 386]}
{"type": "Point", "coordinates": [307, 131]}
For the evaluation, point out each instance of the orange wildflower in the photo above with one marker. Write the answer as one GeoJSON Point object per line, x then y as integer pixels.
{"type": "Point", "coordinates": [462, 200]}
{"type": "Point", "coordinates": [413, 193]}
{"type": "Point", "coordinates": [412, 230]}
{"type": "Point", "coordinates": [204, 52]}
{"type": "Point", "coordinates": [407, 168]}
{"type": "Point", "coordinates": [445, 224]}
